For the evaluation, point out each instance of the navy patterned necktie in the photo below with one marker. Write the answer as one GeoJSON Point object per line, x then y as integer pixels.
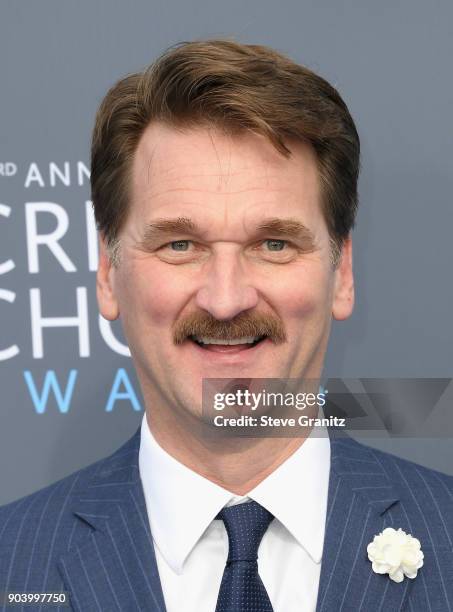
{"type": "Point", "coordinates": [242, 590]}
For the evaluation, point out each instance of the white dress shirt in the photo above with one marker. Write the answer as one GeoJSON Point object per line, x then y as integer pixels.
{"type": "Point", "coordinates": [192, 548]}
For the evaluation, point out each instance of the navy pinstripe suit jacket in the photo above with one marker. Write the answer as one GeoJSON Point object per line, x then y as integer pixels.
{"type": "Point", "coordinates": [88, 535]}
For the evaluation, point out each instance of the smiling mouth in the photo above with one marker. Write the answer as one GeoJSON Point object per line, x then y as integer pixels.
{"type": "Point", "coordinates": [220, 345]}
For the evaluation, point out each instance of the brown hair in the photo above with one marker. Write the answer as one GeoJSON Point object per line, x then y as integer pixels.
{"type": "Point", "coordinates": [235, 87]}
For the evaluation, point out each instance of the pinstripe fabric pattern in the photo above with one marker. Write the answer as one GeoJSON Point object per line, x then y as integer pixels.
{"type": "Point", "coordinates": [368, 491]}
{"type": "Point", "coordinates": [88, 534]}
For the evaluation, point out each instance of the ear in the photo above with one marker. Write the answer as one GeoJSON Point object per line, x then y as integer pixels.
{"type": "Point", "coordinates": [343, 298]}
{"type": "Point", "coordinates": [107, 302]}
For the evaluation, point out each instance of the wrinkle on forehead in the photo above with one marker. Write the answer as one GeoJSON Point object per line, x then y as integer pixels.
{"type": "Point", "coordinates": [175, 169]}
{"type": "Point", "coordinates": [152, 147]}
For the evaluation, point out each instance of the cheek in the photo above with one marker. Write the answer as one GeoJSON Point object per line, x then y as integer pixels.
{"type": "Point", "coordinates": [150, 294]}
{"type": "Point", "coordinates": [303, 295]}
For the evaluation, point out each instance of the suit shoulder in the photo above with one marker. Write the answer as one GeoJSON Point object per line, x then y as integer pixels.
{"type": "Point", "coordinates": [38, 528]}
{"type": "Point", "coordinates": [405, 471]}
{"type": "Point", "coordinates": [52, 503]}
{"type": "Point", "coordinates": [48, 498]}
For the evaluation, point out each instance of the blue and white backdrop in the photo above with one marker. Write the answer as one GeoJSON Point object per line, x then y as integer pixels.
{"type": "Point", "coordinates": [68, 391]}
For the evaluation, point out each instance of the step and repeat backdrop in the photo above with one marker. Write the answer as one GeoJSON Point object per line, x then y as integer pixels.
{"type": "Point", "coordinates": [69, 394]}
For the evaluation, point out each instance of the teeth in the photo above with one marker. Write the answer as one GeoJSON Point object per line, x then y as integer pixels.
{"type": "Point", "coordinates": [248, 340]}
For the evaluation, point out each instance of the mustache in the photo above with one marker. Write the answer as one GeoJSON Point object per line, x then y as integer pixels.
{"type": "Point", "coordinates": [243, 325]}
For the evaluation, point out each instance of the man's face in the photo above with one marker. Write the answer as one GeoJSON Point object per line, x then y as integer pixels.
{"type": "Point", "coordinates": [225, 239]}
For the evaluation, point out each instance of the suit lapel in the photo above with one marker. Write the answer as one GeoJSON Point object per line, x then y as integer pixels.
{"type": "Point", "coordinates": [360, 497]}
{"type": "Point", "coordinates": [111, 564]}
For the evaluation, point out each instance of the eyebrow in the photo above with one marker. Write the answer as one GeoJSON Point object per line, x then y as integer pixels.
{"type": "Point", "coordinates": [286, 227]}
{"type": "Point", "coordinates": [292, 228]}
{"type": "Point", "coordinates": [159, 227]}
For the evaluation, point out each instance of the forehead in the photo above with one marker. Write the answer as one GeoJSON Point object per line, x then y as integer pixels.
{"type": "Point", "coordinates": [176, 167]}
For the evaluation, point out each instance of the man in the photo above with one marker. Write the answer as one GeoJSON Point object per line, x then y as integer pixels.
{"type": "Point", "coordinates": [224, 182]}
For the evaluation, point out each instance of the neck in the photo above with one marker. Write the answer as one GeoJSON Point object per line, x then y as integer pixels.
{"type": "Point", "coordinates": [237, 464]}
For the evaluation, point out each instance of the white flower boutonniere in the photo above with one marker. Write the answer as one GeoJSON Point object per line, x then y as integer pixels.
{"type": "Point", "coordinates": [395, 553]}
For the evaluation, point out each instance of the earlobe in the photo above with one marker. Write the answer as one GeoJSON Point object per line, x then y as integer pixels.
{"type": "Point", "coordinates": [108, 305]}
{"type": "Point", "coordinates": [343, 299]}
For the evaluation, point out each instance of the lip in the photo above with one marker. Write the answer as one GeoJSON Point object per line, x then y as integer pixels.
{"type": "Point", "coordinates": [227, 354]}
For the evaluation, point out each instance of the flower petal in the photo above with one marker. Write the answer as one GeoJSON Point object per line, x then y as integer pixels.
{"type": "Point", "coordinates": [396, 553]}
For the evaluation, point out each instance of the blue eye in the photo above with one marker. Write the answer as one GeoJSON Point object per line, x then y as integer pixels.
{"type": "Point", "coordinates": [275, 245]}
{"type": "Point", "coordinates": [180, 245]}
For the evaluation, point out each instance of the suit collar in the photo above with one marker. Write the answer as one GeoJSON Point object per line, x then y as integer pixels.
{"type": "Point", "coordinates": [111, 564]}
{"type": "Point", "coordinates": [356, 466]}
{"type": "Point", "coordinates": [360, 501]}
{"type": "Point", "coordinates": [114, 476]}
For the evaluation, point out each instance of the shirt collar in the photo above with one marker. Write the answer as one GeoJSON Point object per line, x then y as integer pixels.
{"type": "Point", "coordinates": [181, 504]}
{"type": "Point", "coordinates": [296, 492]}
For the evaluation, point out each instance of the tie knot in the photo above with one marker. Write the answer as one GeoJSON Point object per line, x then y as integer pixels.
{"type": "Point", "coordinates": [246, 524]}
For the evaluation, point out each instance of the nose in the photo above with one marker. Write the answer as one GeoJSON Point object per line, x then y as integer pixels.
{"type": "Point", "coordinates": [226, 291]}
